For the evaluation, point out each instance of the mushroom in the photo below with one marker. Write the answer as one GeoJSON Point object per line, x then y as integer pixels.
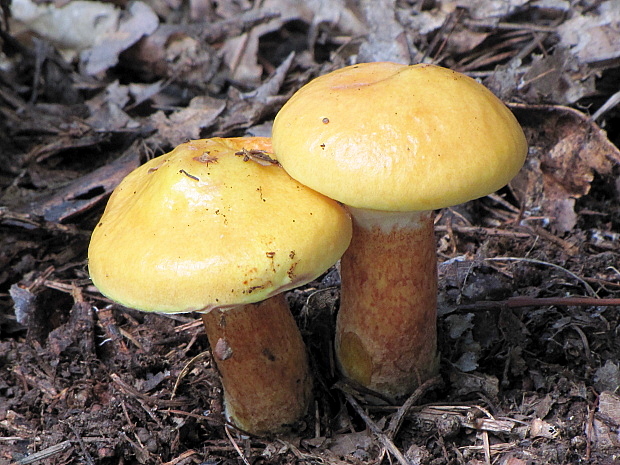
{"type": "Point", "coordinates": [393, 143]}
{"type": "Point", "coordinates": [217, 226]}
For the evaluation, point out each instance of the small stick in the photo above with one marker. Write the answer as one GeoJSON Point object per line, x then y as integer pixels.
{"type": "Point", "coordinates": [397, 419]}
{"type": "Point", "coordinates": [484, 231]}
{"type": "Point", "coordinates": [487, 448]}
{"type": "Point", "coordinates": [182, 457]}
{"type": "Point", "coordinates": [129, 390]}
{"type": "Point", "coordinates": [187, 368]}
{"type": "Point", "coordinates": [540, 262]}
{"type": "Point", "coordinates": [88, 457]}
{"type": "Point", "coordinates": [236, 446]}
{"type": "Point", "coordinates": [45, 453]}
{"type": "Point", "coordinates": [518, 302]}
{"type": "Point", "coordinates": [387, 442]}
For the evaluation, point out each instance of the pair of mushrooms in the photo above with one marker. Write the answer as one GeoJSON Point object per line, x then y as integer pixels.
{"type": "Point", "coordinates": [217, 226]}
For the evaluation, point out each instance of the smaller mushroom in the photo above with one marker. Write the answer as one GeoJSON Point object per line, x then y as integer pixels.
{"type": "Point", "coordinates": [217, 226]}
{"type": "Point", "coordinates": [393, 143]}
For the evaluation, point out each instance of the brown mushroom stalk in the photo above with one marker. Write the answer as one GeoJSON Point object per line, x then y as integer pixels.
{"type": "Point", "coordinates": [266, 380]}
{"type": "Point", "coordinates": [399, 290]}
{"type": "Point", "coordinates": [208, 228]}
{"type": "Point", "coordinates": [394, 143]}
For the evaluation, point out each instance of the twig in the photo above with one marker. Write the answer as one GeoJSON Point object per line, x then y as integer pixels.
{"type": "Point", "coordinates": [399, 416]}
{"type": "Point", "coordinates": [351, 385]}
{"type": "Point", "coordinates": [493, 448]}
{"type": "Point", "coordinates": [187, 368]}
{"type": "Point", "coordinates": [182, 457]}
{"type": "Point", "coordinates": [317, 420]}
{"type": "Point", "coordinates": [608, 105]}
{"type": "Point", "coordinates": [236, 446]}
{"type": "Point", "coordinates": [127, 389]}
{"type": "Point", "coordinates": [509, 26]}
{"type": "Point", "coordinates": [466, 417]}
{"type": "Point", "coordinates": [197, 416]}
{"type": "Point", "coordinates": [387, 442]}
{"type": "Point", "coordinates": [504, 203]}
{"type": "Point", "coordinates": [241, 24]}
{"type": "Point", "coordinates": [589, 427]}
{"type": "Point", "coordinates": [88, 457]}
{"type": "Point", "coordinates": [243, 42]}
{"type": "Point", "coordinates": [136, 445]}
{"type": "Point", "coordinates": [584, 340]}
{"type": "Point", "coordinates": [33, 222]}
{"type": "Point", "coordinates": [570, 248]}
{"type": "Point", "coordinates": [518, 302]}
{"type": "Point", "coordinates": [45, 453]}
{"type": "Point", "coordinates": [486, 447]}
{"type": "Point", "coordinates": [483, 231]}
{"type": "Point", "coordinates": [540, 262]}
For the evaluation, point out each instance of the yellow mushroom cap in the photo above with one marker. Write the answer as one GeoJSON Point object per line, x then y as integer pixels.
{"type": "Point", "coordinates": [200, 228]}
{"type": "Point", "coordinates": [392, 137]}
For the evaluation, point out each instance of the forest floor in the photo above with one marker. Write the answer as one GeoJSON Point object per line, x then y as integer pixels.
{"type": "Point", "coordinates": [529, 309]}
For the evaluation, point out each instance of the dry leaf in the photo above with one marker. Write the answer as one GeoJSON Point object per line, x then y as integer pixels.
{"type": "Point", "coordinates": [58, 24]}
{"type": "Point", "coordinates": [510, 460]}
{"type": "Point", "coordinates": [106, 109]}
{"type": "Point", "coordinates": [468, 383]}
{"type": "Point", "coordinates": [491, 9]}
{"type": "Point", "coordinates": [139, 20]}
{"type": "Point", "coordinates": [609, 407]}
{"type": "Point", "coordinates": [607, 377]}
{"type": "Point", "coordinates": [541, 429]}
{"type": "Point", "coordinates": [566, 151]}
{"type": "Point", "coordinates": [246, 109]}
{"type": "Point", "coordinates": [386, 38]}
{"type": "Point", "coordinates": [350, 444]}
{"type": "Point", "coordinates": [176, 52]}
{"type": "Point", "coordinates": [604, 429]}
{"type": "Point", "coordinates": [556, 78]}
{"type": "Point", "coordinates": [241, 53]}
{"type": "Point", "coordinates": [24, 302]}
{"type": "Point", "coordinates": [594, 37]}
{"type": "Point", "coordinates": [186, 124]}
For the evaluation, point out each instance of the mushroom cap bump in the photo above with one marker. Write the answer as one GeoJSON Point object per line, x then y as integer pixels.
{"type": "Point", "coordinates": [200, 228]}
{"type": "Point", "coordinates": [387, 136]}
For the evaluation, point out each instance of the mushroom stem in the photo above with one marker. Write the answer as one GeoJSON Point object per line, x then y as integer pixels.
{"type": "Point", "coordinates": [263, 365]}
{"type": "Point", "coordinates": [386, 326]}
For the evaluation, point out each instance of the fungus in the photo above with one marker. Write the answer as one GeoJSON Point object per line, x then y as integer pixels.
{"type": "Point", "coordinates": [401, 142]}
{"type": "Point", "coordinates": [203, 229]}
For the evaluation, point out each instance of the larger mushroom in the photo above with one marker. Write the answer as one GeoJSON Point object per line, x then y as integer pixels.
{"type": "Point", "coordinates": [395, 142]}
{"type": "Point", "coordinates": [216, 226]}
